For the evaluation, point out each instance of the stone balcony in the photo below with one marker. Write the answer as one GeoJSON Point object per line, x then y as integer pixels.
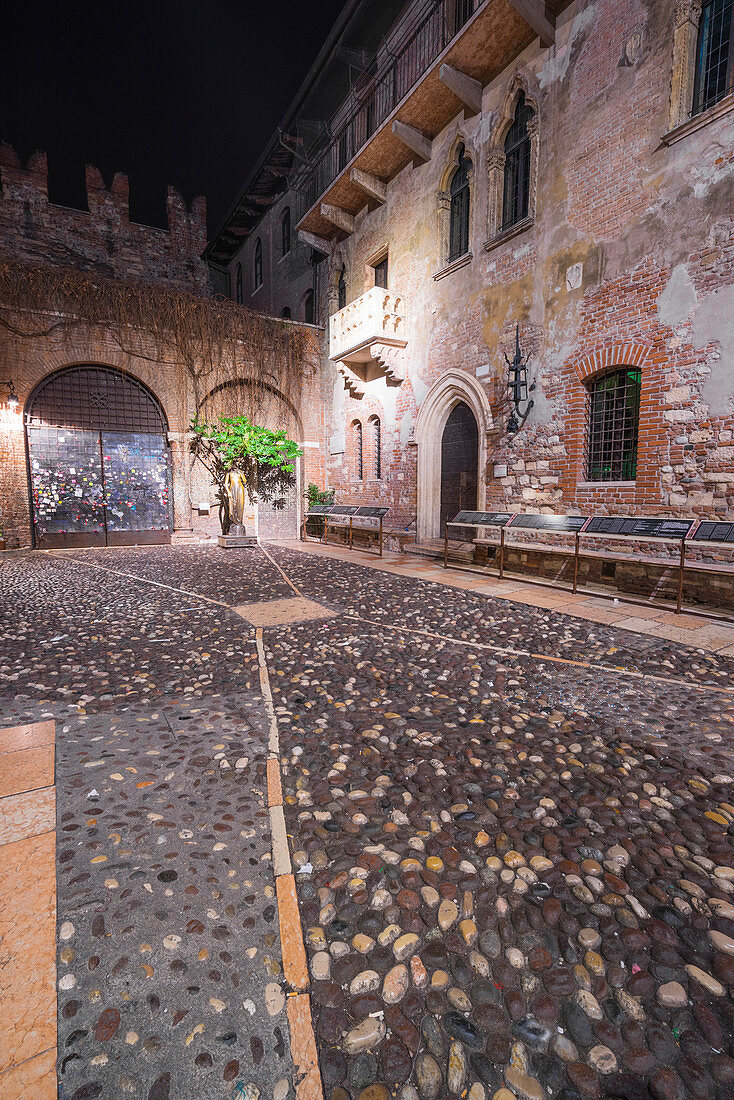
{"type": "Point", "coordinates": [367, 338]}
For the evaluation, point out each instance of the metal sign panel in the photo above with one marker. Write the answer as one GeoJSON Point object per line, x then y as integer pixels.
{"type": "Point", "coordinates": [549, 522]}
{"type": "Point", "coordinates": [713, 531]}
{"type": "Point", "coordinates": [368, 511]}
{"type": "Point", "coordinates": [651, 527]}
{"type": "Point", "coordinates": [482, 519]}
{"type": "Point", "coordinates": [320, 509]}
{"type": "Point", "coordinates": [344, 510]}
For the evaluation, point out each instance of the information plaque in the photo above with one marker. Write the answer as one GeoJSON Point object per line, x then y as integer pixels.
{"type": "Point", "coordinates": [368, 511]}
{"type": "Point", "coordinates": [549, 522]}
{"type": "Point", "coordinates": [482, 519]}
{"type": "Point", "coordinates": [713, 531]}
{"type": "Point", "coordinates": [649, 527]}
{"type": "Point", "coordinates": [344, 510]}
{"type": "Point", "coordinates": [320, 509]}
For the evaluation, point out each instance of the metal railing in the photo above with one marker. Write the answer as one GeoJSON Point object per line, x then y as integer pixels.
{"type": "Point", "coordinates": [394, 78]}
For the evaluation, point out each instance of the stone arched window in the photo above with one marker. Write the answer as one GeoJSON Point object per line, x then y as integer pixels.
{"type": "Point", "coordinates": [238, 283]}
{"type": "Point", "coordinates": [376, 429]}
{"type": "Point", "coordinates": [357, 451]}
{"type": "Point", "coordinates": [455, 202]}
{"type": "Point", "coordinates": [512, 165]}
{"type": "Point", "coordinates": [459, 209]}
{"type": "Point", "coordinates": [307, 307]}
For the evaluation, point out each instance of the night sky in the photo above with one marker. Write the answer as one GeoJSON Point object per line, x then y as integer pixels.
{"type": "Point", "coordinates": [183, 92]}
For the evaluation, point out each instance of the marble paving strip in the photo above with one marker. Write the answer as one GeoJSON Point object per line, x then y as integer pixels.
{"type": "Point", "coordinates": [307, 1079]}
{"type": "Point", "coordinates": [27, 913]}
{"type": "Point", "coordinates": [606, 670]}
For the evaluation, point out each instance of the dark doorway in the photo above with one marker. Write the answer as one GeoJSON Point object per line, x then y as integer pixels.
{"type": "Point", "coordinates": [98, 460]}
{"type": "Point", "coordinates": [459, 461]}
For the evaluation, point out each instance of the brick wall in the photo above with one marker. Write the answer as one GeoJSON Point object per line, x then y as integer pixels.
{"type": "Point", "coordinates": [102, 240]}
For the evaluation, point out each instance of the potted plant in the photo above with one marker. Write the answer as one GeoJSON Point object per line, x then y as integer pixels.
{"type": "Point", "coordinates": [247, 462]}
{"type": "Point", "coordinates": [314, 495]}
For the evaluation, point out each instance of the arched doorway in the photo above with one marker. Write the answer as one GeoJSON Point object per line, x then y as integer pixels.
{"type": "Point", "coordinates": [459, 463]}
{"type": "Point", "coordinates": [455, 387]}
{"type": "Point", "coordinates": [98, 460]}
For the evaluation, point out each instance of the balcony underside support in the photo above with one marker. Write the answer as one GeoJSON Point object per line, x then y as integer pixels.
{"type": "Point", "coordinates": [371, 185]}
{"type": "Point", "coordinates": [352, 382]}
{"type": "Point", "coordinates": [536, 15]}
{"type": "Point", "coordinates": [464, 87]}
{"type": "Point", "coordinates": [320, 244]}
{"type": "Point", "coordinates": [415, 140]}
{"type": "Point", "coordinates": [338, 217]}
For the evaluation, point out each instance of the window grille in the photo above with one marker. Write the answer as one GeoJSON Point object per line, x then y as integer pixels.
{"type": "Point", "coordinates": [285, 232]}
{"type": "Point", "coordinates": [459, 215]}
{"type": "Point", "coordinates": [516, 198]}
{"type": "Point", "coordinates": [95, 398]}
{"type": "Point", "coordinates": [342, 288]}
{"type": "Point", "coordinates": [358, 457]}
{"type": "Point", "coordinates": [377, 429]}
{"type": "Point", "coordinates": [714, 55]}
{"type": "Point", "coordinates": [258, 265]}
{"type": "Point", "coordinates": [381, 274]}
{"type": "Point", "coordinates": [614, 416]}
{"type": "Point", "coordinates": [239, 284]}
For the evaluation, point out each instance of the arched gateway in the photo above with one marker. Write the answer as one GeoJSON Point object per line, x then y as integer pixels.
{"type": "Point", "coordinates": [98, 460]}
{"type": "Point", "coordinates": [451, 433]}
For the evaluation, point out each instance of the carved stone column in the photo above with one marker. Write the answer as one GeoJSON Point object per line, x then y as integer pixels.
{"type": "Point", "coordinates": [443, 207]}
{"type": "Point", "coordinates": [495, 178]}
{"type": "Point", "coordinates": [685, 38]}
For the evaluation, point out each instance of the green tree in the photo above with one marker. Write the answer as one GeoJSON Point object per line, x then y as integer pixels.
{"type": "Point", "coordinates": [244, 459]}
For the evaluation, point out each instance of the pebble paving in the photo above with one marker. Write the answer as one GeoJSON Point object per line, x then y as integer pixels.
{"type": "Point", "coordinates": [516, 877]}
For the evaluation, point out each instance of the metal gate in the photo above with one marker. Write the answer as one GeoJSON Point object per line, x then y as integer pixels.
{"type": "Point", "coordinates": [98, 459]}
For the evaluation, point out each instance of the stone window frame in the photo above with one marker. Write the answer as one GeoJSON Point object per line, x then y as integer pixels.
{"type": "Point", "coordinates": [257, 265]}
{"type": "Point", "coordinates": [496, 163]}
{"type": "Point", "coordinates": [443, 206]}
{"type": "Point", "coordinates": [374, 423]}
{"type": "Point", "coordinates": [286, 237]}
{"type": "Point", "coordinates": [681, 122]}
{"type": "Point", "coordinates": [356, 439]}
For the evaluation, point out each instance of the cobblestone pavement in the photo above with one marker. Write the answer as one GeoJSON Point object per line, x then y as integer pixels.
{"type": "Point", "coordinates": [514, 872]}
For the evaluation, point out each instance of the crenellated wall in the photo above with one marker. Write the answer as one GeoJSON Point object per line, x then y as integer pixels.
{"type": "Point", "coordinates": [102, 239]}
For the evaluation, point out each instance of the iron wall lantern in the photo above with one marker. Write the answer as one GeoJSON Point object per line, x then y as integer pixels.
{"type": "Point", "coordinates": [517, 386]}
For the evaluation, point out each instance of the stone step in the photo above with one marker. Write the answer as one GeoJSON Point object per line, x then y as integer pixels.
{"type": "Point", "coordinates": [434, 549]}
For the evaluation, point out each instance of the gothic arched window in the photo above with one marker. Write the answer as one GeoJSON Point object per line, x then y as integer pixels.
{"type": "Point", "coordinates": [460, 207]}
{"type": "Point", "coordinates": [516, 194]}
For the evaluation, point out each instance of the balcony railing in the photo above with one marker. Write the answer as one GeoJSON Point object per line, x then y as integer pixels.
{"type": "Point", "coordinates": [374, 321]}
{"type": "Point", "coordinates": [394, 79]}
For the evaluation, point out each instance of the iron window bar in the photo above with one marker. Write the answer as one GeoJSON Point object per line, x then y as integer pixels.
{"type": "Point", "coordinates": [613, 424]}
{"type": "Point", "coordinates": [516, 193]}
{"type": "Point", "coordinates": [459, 210]}
{"type": "Point", "coordinates": [714, 76]}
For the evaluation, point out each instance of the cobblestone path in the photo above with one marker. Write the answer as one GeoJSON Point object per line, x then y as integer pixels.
{"type": "Point", "coordinates": [513, 833]}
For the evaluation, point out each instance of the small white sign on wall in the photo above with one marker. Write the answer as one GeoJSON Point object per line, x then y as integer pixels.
{"type": "Point", "coordinates": [500, 471]}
